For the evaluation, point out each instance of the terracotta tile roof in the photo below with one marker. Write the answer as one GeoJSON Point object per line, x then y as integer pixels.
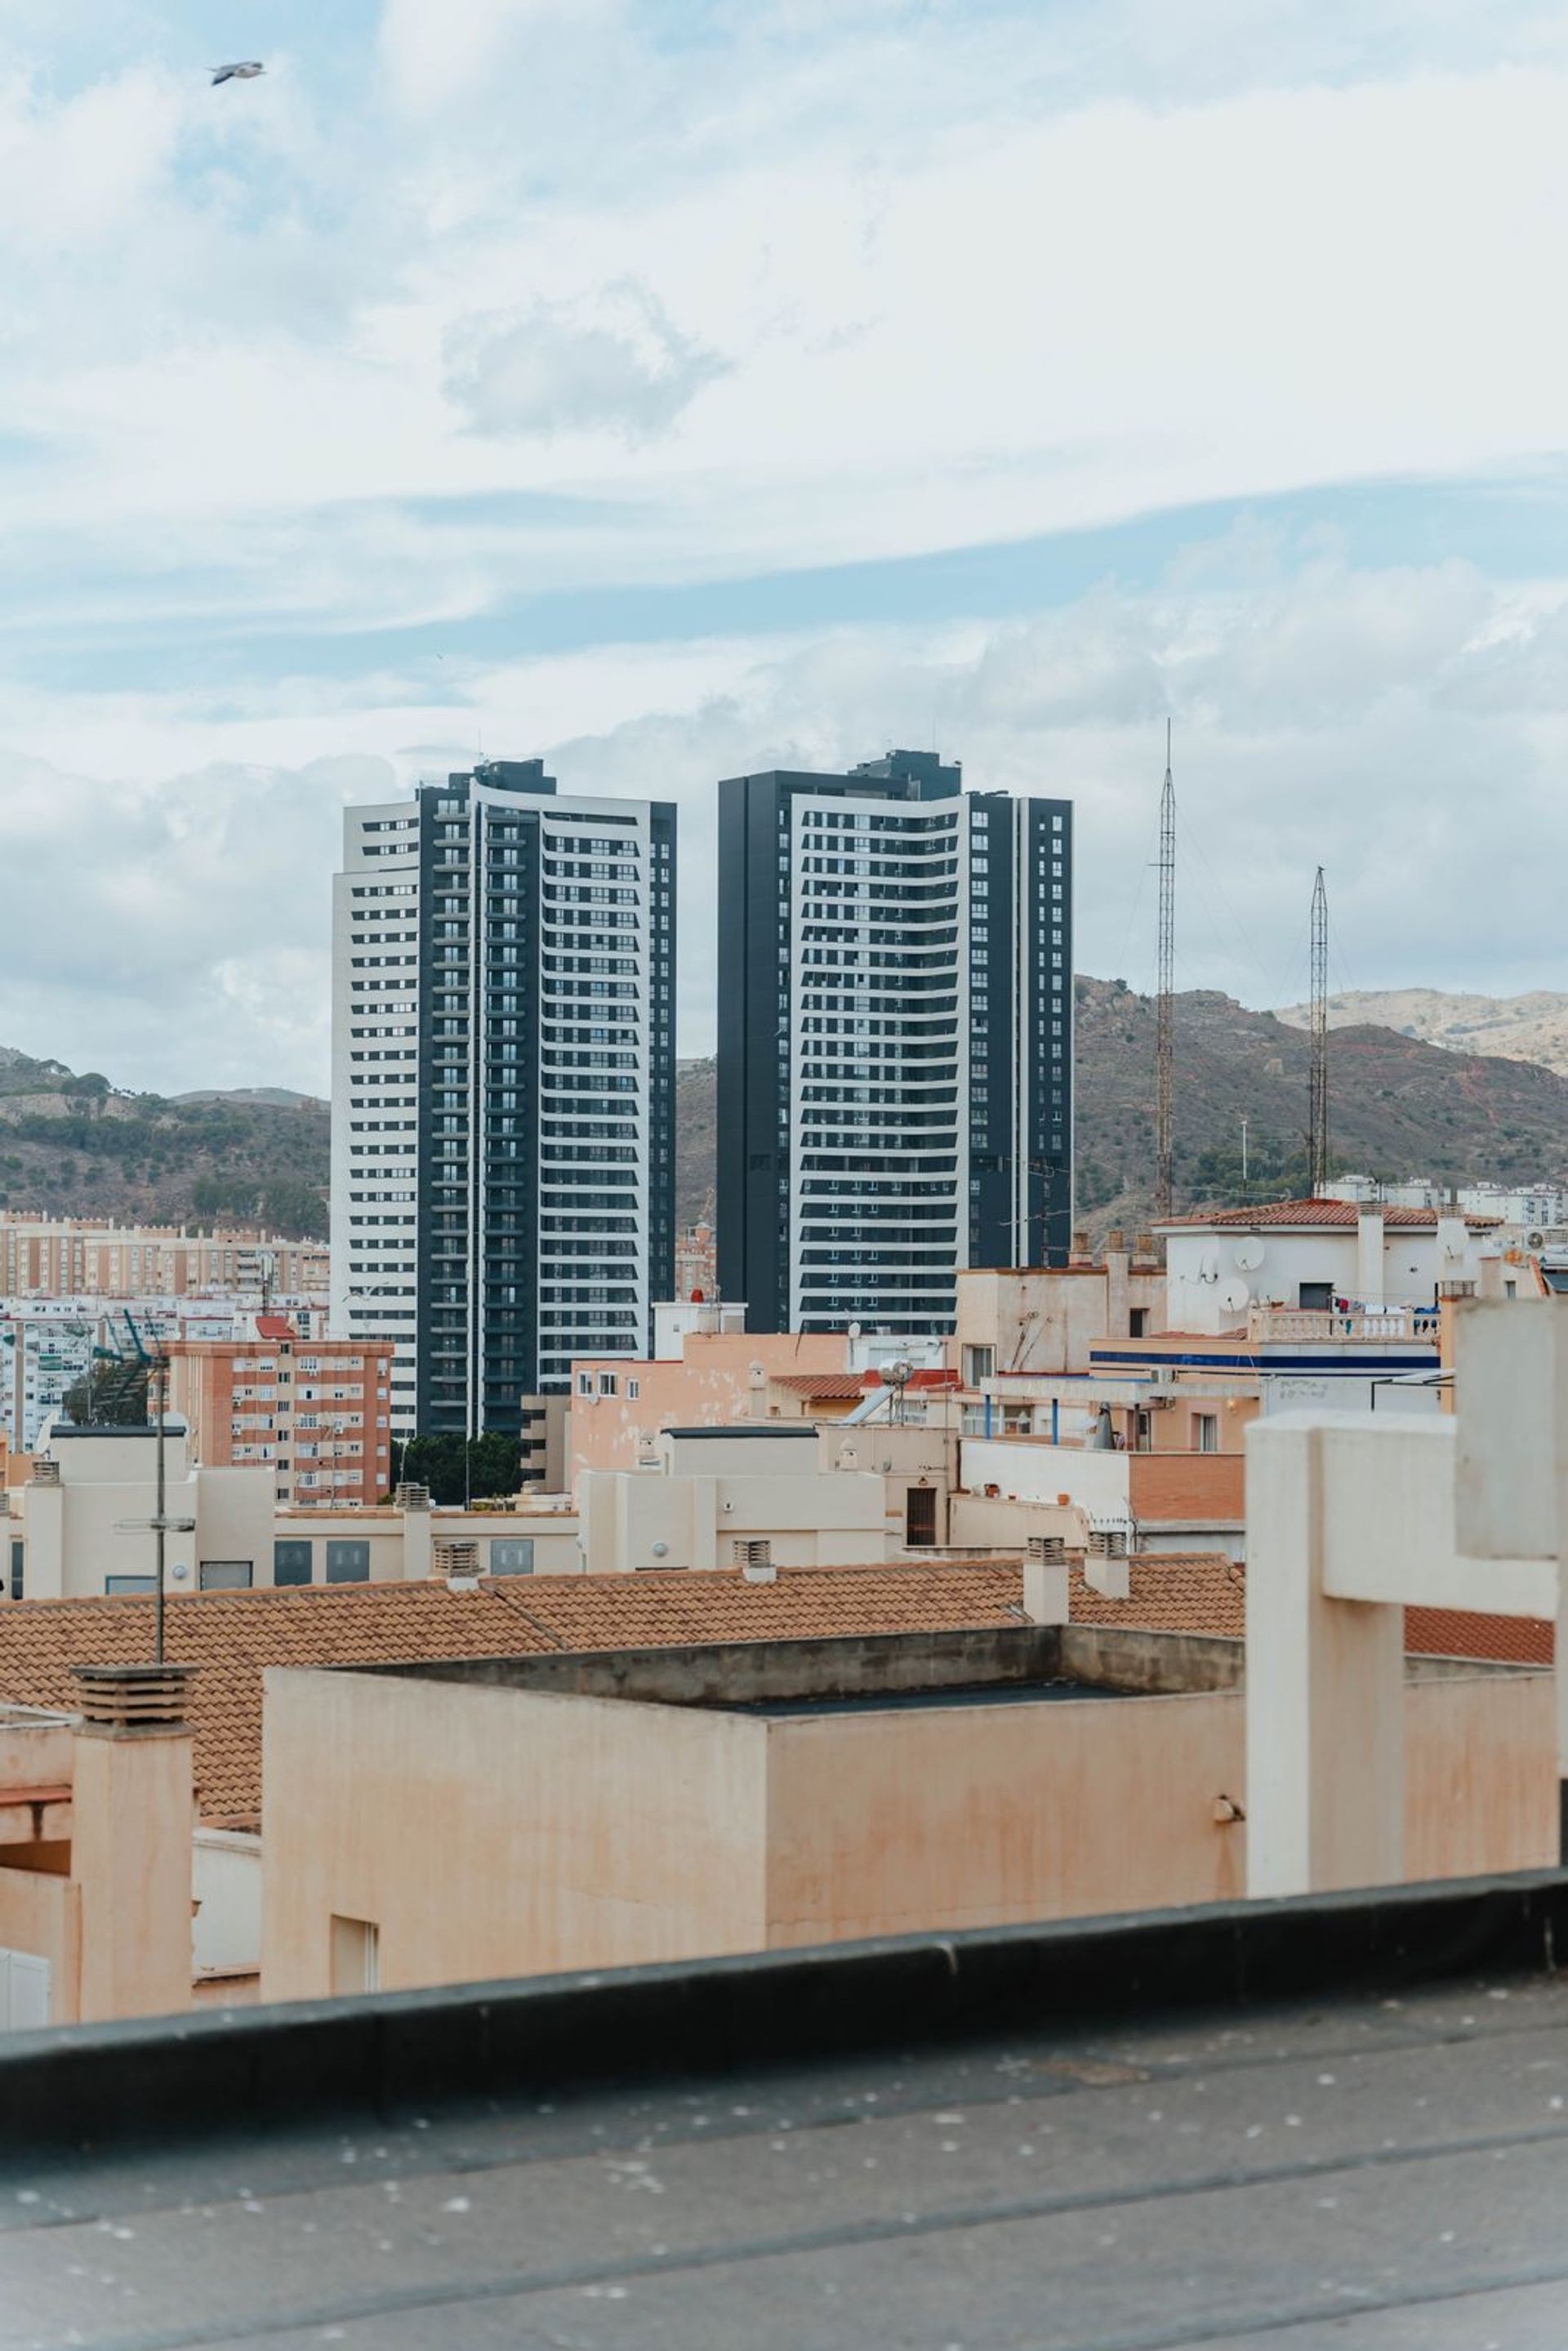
{"type": "Point", "coordinates": [1292, 1215]}
{"type": "Point", "coordinates": [1172, 1592]}
{"type": "Point", "coordinates": [235, 1637]}
{"type": "Point", "coordinates": [1463, 1632]}
{"type": "Point", "coordinates": [1204, 1593]}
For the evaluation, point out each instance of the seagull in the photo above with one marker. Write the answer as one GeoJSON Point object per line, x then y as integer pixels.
{"type": "Point", "coordinates": [246, 72]}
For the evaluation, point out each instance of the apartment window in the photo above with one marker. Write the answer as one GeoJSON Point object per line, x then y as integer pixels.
{"type": "Point", "coordinates": [1206, 1431]}
{"type": "Point", "coordinates": [1138, 1323]}
{"type": "Point", "coordinates": [18, 1565]}
{"type": "Point", "coordinates": [120, 1586]}
{"type": "Point", "coordinates": [356, 1956]}
{"type": "Point", "coordinates": [225, 1574]}
{"type": "Point", "coordinates": [291, 1562]}
{"type": "Point", "coordinates": [633, 1389]}
{"type": "Point", "coordinates": [585, 1383]}
{"type": "Point", "coordinates": [512, 1555]}
{"type": "Point", "coordinates": [349, 1561]}
{"type": "Point", "coordinates": [979, 1363]}
{"type": "Point", "coordinates": [608, 1384]}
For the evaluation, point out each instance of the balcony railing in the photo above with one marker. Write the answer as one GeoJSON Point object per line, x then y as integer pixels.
{"type": "Point", "coordinates": [1355, 1326]}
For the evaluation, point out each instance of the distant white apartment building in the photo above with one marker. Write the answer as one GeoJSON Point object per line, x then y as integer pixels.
{"type": "Point", "coordinates": [503, 1068]}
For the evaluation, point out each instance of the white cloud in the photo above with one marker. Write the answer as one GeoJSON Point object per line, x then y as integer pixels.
{"type": "Point", "coordinates": [1361, 719]}
{"type": "Point", "coordinates": [616, 364]}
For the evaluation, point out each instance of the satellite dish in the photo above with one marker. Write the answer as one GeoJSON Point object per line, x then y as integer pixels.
{"type": "Point", "coordinates": [1250, 1253]}
{"type": "Point", "coordinates": [1234, 1296]}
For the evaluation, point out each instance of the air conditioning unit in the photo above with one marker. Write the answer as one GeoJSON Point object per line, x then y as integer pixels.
{"type": "Point", "coordinates": [753, 1554]}
{"type": "Point", "coordinates": [1164, 1376]}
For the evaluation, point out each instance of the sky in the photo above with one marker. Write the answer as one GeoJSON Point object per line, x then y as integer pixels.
{"type": "Point", "coordinates": [675, 387]}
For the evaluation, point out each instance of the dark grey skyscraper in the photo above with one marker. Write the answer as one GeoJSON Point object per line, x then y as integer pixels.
{"type": "Point", "coordinates": [503, 1176]}
{"type": "Point", "coordinates": [895, 1040]}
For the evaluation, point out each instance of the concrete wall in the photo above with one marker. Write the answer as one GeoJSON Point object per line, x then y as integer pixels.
{"type": "Point", "coordinates": [1481, 1784]}
{"type": "Point", "coordinates": [974, 1816]}
{"type": "Point", "coordinates": [722, 1376]}
{"type": "Point", "coordinates": [1039, 1320]}
{"type": "Point", "coordinates": [493, 1832]}
{"type": "Point", "coordinates": [40, 1913]}
{"type": "Point", "coordinates": [1028, 1469]}
{"type": "Point", "coordinates": [812, 1518]}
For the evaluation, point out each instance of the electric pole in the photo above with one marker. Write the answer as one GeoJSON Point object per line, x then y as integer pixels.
{"type": "Point", "coordinates": [1164, 1009]}
{"type": "Point", "coordinates": [1318, 1146]}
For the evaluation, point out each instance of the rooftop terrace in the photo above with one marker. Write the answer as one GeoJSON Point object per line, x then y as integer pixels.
{"type": "Point", "coordinates": [1325, 2123]}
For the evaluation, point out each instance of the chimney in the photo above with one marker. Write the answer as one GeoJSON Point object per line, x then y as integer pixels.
{"type": "Point", "coordinates": [1078, 1254]}
{"type": "Point", "coordinates": [456, 1563]}
{"type": "Point", "coordinates": [131, 1797]}
{"type": "Point", "coordinates": [1369, 1255]}
{"type": "Point", "coordinates": [1045, 1585]}
{"type": "Point", "coordinates": [753, 1554]}
{"type": "Point", "coordinates": [121, 1700]}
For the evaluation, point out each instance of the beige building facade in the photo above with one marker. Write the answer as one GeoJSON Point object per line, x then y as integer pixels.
{"type": "Point", "coordinates": [459, 1823]}
{"type": "Point", "coordinates": [78, 1257]}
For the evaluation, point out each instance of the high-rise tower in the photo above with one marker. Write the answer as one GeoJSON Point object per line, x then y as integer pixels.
{"type": "Point", "coordinates": [896, 1041]}
{"type": "Point", "coordinates": [502, 1089]}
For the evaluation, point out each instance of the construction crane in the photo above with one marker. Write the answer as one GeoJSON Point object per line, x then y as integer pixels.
{"type": "Point", "coordinates": [1318, 1130]}
{"type": "Point", "coordinates": [1164, 1009]}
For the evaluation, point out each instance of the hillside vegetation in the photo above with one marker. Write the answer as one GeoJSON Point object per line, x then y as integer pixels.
{"type": "Point", "coordinates": [1398, 1107]}
{"type": "Point", "coordinates": [71, 1145]}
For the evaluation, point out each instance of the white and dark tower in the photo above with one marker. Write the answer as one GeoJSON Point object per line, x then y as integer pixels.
{"type": "Point", "coordinates": [503, 1088]}
{"type": "Point", "coordinates": [896, 1042]}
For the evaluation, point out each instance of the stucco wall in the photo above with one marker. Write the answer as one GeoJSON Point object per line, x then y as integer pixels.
{"type": "Point", "coordinates": [1480, 1778]}
{"type": "Point", "coordinates": [1028, 1469]}
{"type": "Point", "coordinates": [884, 1823]}
{"type": "Point", "coordinates": [713, 1383]}
{"type": "Point", "coordinates": [493, 1832]}
{"type": "Point", "coordinates": [42, 1914]}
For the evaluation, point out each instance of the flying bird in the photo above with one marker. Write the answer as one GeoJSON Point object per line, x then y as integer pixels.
{"type": "Point", "coordinates": [246, 72]}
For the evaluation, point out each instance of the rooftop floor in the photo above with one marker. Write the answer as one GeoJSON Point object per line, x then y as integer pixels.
{"type": "Point", "coordinates": [1386, 2170]}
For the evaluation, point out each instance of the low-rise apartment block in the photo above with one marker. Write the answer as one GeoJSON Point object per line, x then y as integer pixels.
{"type": "Point", "coordinates": [317, 1412]}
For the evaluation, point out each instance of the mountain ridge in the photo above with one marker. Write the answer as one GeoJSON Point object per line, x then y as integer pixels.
{"type": "Point", "coordinates": [1532, 1028]}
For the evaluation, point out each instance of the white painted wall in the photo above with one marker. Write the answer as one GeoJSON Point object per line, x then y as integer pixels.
{"type": "Point", "coordinates": [225, 1882]}
{"type": "Point", "coordinates": [1026, 1471]}
{"type": "Point", "coordinates": [1209, 1286]}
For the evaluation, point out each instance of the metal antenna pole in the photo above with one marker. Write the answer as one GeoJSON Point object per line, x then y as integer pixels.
{"type": "Point", "coordinates": [1165, 1015]}
{"type": "Point", "coordinates": [1318, 1149]}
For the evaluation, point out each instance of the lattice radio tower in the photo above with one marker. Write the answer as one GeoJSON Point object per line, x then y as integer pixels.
{"type": "Point", "coordinates": [1165, 1011]}
{"type": "Point", "coordinates": [1318, 1137]}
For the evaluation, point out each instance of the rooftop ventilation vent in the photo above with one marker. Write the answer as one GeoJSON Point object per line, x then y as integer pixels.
{"type": "Point", "coordinates": [1051, 1550]}
{"type": "Point", "coordinates": [754, 1556]}
{"type": "Point", "coordinates": [458, 1562]}
{"type": "Point", "coordinates": [126, 1699]}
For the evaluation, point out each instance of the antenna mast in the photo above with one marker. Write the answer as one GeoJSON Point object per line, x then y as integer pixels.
{"type": "Point", "coordinates": [1165, 1015]}
{"type": "Point", "coordinates": [1318, 1142]}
